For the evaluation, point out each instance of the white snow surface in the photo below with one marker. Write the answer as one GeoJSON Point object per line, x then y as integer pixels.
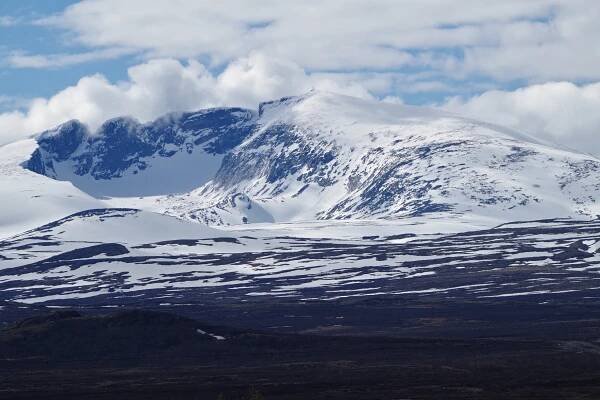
{"type": "Point", "coordinates": [127, 226]}
{"type": "Point", "coordinates": [84, 256]}
{"type": "Point", "coordinates": [29, 200]}
{"type": "Point", "coordinates": [166, 175]}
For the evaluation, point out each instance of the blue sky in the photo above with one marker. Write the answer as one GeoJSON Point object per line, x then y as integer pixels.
{"type": "Point", "coordinates": [24, 35]}
{"type": "Point", "coordinates": [519, 63]}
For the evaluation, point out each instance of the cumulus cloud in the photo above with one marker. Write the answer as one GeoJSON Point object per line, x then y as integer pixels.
{"type": "Point", "coordinates": [560, 112]}
{"type": "Point", "coordinates": [510, 39]}
{"type": "Point", "coordinates": [166, 85]}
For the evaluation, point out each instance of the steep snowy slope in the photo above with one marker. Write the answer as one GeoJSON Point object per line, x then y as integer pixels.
{"type": "Point", "coordinates": [327, 156]}
{"type": "Point", "coordinates": [29, 200]}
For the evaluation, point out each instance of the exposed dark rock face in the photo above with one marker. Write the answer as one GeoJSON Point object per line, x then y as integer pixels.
{"type": "Point", "coordinates": [123, 144]}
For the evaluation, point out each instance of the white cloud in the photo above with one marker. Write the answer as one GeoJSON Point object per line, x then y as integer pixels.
{"type": "Point", "coordinates": [165, 85]}
{"type": "Point", "coordinates": [23, 60]}
{"type": "Point", "coordinates": [7, 21]}
{"type": "Point", "coordinates": [561, 112]}
{"type": "Point", "coordinates": [510, 39]}
{"type": "Point", "coordinates": [564, 47]}
{"type": "Point", "coordinates": [5, 99]}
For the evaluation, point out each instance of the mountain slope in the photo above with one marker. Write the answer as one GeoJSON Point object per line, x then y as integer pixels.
{"type": "Point", "coordinates": [30, 200]}
{"type": "Point", "coordinates": [326, 156]}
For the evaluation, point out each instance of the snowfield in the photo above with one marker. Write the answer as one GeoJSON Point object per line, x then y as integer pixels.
{"type": "Point", "coordinates": [85, 256]}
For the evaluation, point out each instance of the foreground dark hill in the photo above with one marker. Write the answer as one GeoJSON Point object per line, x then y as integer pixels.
{"type": "Point", "coordinates": [149, 355]}
{"type": "Point", "coordinates": [68, 336]}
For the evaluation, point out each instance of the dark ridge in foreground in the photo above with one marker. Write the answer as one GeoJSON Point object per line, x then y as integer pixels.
{"type": "Point", "coordinates": [139, 354]}
{"type": "Point", "coordinates": [133, 335]}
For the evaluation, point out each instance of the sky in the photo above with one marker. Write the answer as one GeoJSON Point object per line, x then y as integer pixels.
{"type": "Point", "coordinates": [532, 65]}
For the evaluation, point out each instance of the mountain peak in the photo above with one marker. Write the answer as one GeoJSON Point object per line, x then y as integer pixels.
{"type": "Point", "coordinates": [63, 140]}
{"type": "Point", "coordinates": [124, 125]}
{"type": "Point", "coordinates": [334, 107]}
{"type": "Point", "coordinates": [270, 106]}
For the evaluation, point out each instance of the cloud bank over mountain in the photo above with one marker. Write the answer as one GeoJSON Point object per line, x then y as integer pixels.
{"type": "Point", "coordinates": [168, 85]}
{"type": "Point", "coordinates": [561, 112]}
{"type": "Point", "coordinates": [530, 65]}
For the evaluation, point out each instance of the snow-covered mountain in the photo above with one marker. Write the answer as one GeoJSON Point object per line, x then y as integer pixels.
{"type": "Point", "coordinates": [349, 193]}
{"type": "Point", "coordinates": [326, 156]}
{"type": "Point", "coordinates": [320, 156]}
